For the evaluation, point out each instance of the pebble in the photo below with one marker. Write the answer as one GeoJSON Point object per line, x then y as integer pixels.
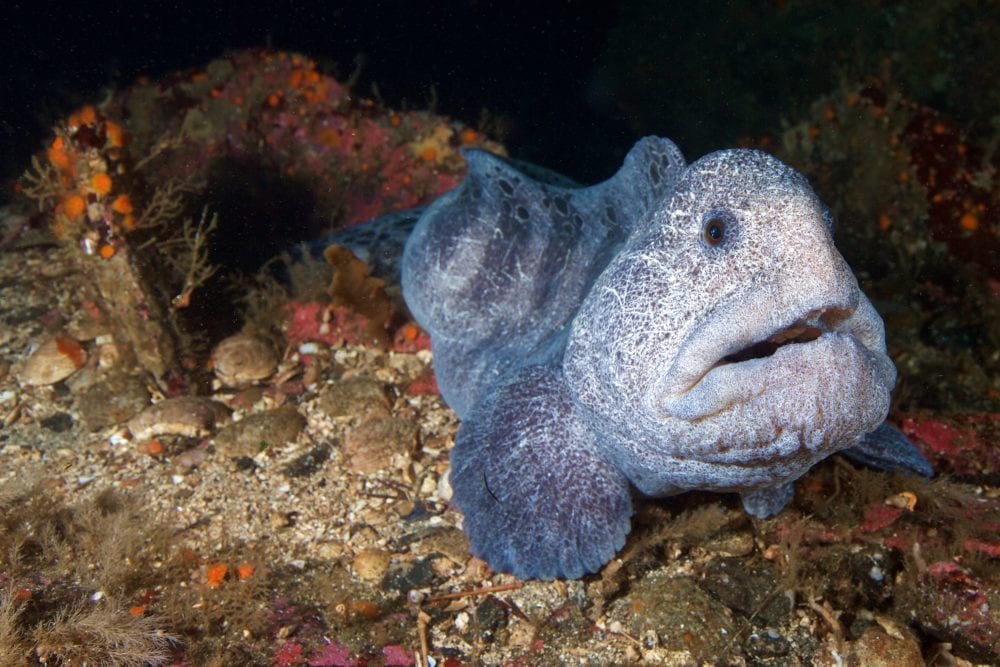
{"type": "Point", "coordinates": [371, 564]}
{"type": "Point", "coordinates": [190, 458]}
{"type": "Point", "coordinates": [737, 543]}
{"type": "Point", "coordinates": [449, 542]}
{"type": "Point", "coordinates": [308, 463]}
{"type": "Point", "coordinates": [747, 588]}
{"type": "Point", "coordinates": [444, 486]}
{"type": "Point", "coordinates": [491, 618]}
{"type": "Point", "coordinates": [357, 396]}
{"type": "Point", "coordinates": [244, 359]}
{"type": "Point", "coordinates": [251, 435]}
{"type": "Point", "coordinates": [877, 647]}
{"type": "Point", "coordinates": [53, 361]}
{"type": "Point", "coordinates": [404, 577]}
{"type": "Point", "coordinates": [189, 416]}
{"type": "Point", "coordinates": [59, 422]}
{"type": "Point", "coordinates": [111, 401]}
{"type": "Point", "coordinates": [372, 445]}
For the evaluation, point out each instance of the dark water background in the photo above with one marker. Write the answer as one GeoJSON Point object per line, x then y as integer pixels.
{"type": "Point", "coordinates": [531, 67]}
{"type": "Point", "coordinates": [564, 84]}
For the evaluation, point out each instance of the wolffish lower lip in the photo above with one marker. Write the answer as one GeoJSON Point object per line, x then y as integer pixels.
{"type": "Point", "coordinates": [803, 330]}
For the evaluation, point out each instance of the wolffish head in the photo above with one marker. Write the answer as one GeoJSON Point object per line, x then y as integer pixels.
{"type": "Point", "coordinates": [728, 345]}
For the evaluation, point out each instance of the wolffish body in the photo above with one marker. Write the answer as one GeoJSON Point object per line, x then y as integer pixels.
{"type": "Point", "coordinates": [676, 327]}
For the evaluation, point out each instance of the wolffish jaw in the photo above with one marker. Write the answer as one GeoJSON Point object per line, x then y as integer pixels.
{"type": "Point", "coordinates": [825, 349]}
{"type": "Point", "coordinates": [803, 330]}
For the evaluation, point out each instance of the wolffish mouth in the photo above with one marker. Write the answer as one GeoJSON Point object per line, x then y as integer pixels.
{"type": "Point", "coordinates": [803, 330]}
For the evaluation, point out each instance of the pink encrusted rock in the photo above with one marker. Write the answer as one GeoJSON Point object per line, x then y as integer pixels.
{"type": "Point", "coordinates": [333, 654]}
{"type": "Point", "coordinates": [880, 516]}
{"type": "Point", "coordinates": [396, 656]}
{"type": "Point", "coordinates": [960, 445]}
{"type": "Point", "coordinates": [956, 606]}
{"type": "Point", "coordinates": [324, 323]}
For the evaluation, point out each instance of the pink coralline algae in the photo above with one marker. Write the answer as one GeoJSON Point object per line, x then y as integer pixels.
{"type": "Point", "coordinates": [360, 159]}
{"type": "Point", "coordinates": [335, 325]}
{"type": "Point", "coordinates": [333, 655]}
{"type": "Point", "coordinates": [963, 446]}
{"type": "Point", "coordinates": [962, 608]}
{"type": "Point", "coordinates": [324, 323]}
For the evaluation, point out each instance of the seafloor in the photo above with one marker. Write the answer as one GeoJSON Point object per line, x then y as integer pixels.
{"type": "Point", "coordinates": [284, 500]}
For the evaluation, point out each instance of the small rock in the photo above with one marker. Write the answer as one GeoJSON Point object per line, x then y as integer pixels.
{"type": "Point", "coordinates": [444, 486]}
{"type": "Point", "coordinates": [404, 508]}
{"type": "Point", "coordinates": [735, 543]}
{"type": "Point", "coordinates": [878, 648]}
{"type": "Point", "coordinates": [491, 618]}
{"type": "Point", "coordinates": [190, 458]}
{"type": "Point", "coordinates": [371, 446]}
{"type": "Point", "coordinates": [371, 564]}
{"type": "Point", "coordinates": [450, 542]}
{"type": "Point", "coordinates": [329, 550]}
{"type": "Point", "coordinates": [747, 588]}
{"type": "Point", "coordinates": [404, 577]}
{"type": "Point", "coordinates": [355, 397]}
{"type": "Point", "coordinates": [111, 401]}
{"type": "Point", "coordinates": [767, 645]}
{"type": "Point", "coordinates": [59, 422]}
{"type": "Point", "coordinates": [281, 520]}
{"type": "Point", "coordinates": [253, 434]}
{"type": "Point", "coordinates": [190, 416]}
{"type": "Point", "coordinates": [53, 361]}
{"type": "Point", "coordinates": [244, 359]}
{"type": "Point", "coordinates": [682, 616]}
{"type": "Point", "coordinates": [246, 464]}
{"type": "Point", "coordinates": [310, 462]}
{"type": "Point", "coordinates": [84, 326]}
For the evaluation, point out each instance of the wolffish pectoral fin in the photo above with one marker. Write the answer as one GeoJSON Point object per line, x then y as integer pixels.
{"type": "Point", "coordinates": [886, 448]}
{"type": "Point", "coordinates": [539, 500]}
{"type": "Point", "coordinates": [764, 503]}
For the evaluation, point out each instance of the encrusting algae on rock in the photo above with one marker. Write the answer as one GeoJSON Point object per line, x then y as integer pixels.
{"type": "Point", "coordinates": [141, 188]}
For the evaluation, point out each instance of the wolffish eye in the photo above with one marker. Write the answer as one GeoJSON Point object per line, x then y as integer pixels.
{"type": "Point", "coordinates": [714, 230]}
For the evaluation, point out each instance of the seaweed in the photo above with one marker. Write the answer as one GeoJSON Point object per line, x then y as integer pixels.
{"type": "Point", "coordinates": [70, 573]}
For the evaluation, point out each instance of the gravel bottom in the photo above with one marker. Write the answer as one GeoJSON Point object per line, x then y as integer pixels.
{"type": "Point", "coordinates": [307, 522]}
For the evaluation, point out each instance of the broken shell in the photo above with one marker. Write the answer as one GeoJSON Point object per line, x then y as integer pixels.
{"type": "Point", "coordinates": [189, 416]}
{"type": "Point", "coordinates": [53, 361]}
{"type": "Point", "coordinates": [243, 359]}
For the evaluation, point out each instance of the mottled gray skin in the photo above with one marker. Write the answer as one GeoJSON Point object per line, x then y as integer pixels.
{"type": "Point", "coordinates": [676, 327]}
